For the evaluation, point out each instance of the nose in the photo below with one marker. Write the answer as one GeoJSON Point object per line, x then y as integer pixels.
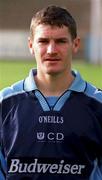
{"type": "Point", "coordinates": [51, 49]}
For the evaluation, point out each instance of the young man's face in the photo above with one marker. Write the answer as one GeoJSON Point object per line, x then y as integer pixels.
{"type": "Point", "coordinates": [53, 48]}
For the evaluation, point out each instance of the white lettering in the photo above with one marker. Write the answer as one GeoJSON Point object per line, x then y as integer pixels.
{"type": "Point", "coordinates": [32, 167]}
{"type": "Point", "coordinates": [35, 167]}
{"type": "Point", "coordinates": [80, 168]}
{"type": "Point", "coordinates": [53, 168]}
{"type": "Point", "coordinates": [74, 169]}
{"type": "Point", "coordinates": [43, 167]}
{"type": "Point", "coordinates": [59, 136]}
{"type": "Point", "coordinates": [51, 119]}
{"type": "Point", "coordinates": [60, 167]}
{"type": "Point", "coordinates": [41, 136]}
{"type": "Point", "coordinates": [14, 165]}
{"type": "Point", "coordinates": [66, 169]}
{"type": "Point", "coordinates": [22, 167]}
{"type": "Point", "coordinates": [50, 136]}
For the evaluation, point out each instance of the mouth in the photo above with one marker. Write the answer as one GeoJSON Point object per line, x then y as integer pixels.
{"type": "Point", "coordinates": [52, 59]}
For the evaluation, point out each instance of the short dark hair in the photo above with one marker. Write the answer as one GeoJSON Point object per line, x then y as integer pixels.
{"type": "Point", "coordinates": [54, 16]}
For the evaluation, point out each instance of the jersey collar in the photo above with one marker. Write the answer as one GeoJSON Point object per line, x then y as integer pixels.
{"type": "Point", "coordinates": [77, 85]}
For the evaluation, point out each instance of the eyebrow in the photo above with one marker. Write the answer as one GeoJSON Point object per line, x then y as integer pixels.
{"type": "Point", "coordinates": [56, 39]}
{"type": "Point", "coordinates": [61, 38]}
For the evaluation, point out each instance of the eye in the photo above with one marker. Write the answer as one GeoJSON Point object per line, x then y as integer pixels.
{"type": "Point", "coordinates": [43, 41]}
{"type": "Point", "coordinates": [61, 41]}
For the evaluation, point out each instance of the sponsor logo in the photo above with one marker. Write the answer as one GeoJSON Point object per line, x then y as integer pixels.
{"type": "Point", "coordinates": [42, 136]}
{"type": "Point", "coordinates": [37, 166]}
{"type": "Point", "coordinates": [51, 119]}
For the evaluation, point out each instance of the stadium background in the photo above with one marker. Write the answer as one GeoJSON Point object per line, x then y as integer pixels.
{"type": "Point", "coordinates": [15, 17]}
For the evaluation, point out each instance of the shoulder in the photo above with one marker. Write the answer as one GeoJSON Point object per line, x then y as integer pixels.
{"type": "Point", "coordinates": [16, 88]}
{"type": "Point", "coordinates": [93, 92]}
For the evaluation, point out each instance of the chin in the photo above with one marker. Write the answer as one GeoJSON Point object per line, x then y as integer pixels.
{"type": "Point", "coordinates": [53, 72]}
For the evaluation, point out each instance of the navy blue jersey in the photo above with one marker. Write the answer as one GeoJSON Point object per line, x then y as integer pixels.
{"type": "Point", "coordinates": [43, 139]}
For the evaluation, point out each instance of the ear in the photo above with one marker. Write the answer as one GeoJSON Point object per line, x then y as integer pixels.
{"type": "Point", "coordinates": [76, 45]}
{"type": "Point", "coordinates": [30, 45]}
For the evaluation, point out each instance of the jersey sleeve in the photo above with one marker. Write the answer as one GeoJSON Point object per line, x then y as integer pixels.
{"type": "Point", "coordinates": [2, 167]}
{"type": "Point", "coordinates": [4, 94]}
{"type": "Point", "coordinates": [2, 159]}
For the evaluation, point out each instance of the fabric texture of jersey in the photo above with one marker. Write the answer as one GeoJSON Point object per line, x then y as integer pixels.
{"type": "Point", "coordinates": [51, 138]}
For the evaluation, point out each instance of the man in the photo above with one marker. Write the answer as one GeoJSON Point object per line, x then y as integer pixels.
{"type": "Point", "coordinates": [51, 122]}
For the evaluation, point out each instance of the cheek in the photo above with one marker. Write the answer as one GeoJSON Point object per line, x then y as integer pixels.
{"type": "Point", "coordinates": [38, 48]}
{"type": "Point", "coordinates": [67, 54]}
{"type": "Point", "coordinates": [39, 52]}
{"type": "Point", "coordinates": [67, 51]}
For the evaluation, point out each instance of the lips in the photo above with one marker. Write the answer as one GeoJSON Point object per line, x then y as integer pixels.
{"type": "Point", "coordinates": [52, 59]}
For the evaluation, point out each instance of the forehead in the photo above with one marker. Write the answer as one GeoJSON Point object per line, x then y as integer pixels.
{"type": "Point", "coordinates": [48, 31]}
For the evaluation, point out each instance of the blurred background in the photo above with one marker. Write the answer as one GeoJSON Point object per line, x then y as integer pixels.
{"type": "Point", "coordinates": [15, 18]}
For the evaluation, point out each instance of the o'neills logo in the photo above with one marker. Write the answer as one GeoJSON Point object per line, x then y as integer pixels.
{"type": "Point", "coordinates": [16, 166]}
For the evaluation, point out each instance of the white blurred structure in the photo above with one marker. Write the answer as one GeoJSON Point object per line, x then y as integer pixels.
{"type": "Point", "coordinates": [14, 44]}
{"type": "Point", "coordinates": [95, 43]}
{"type": "Point", "coordinates": [14, 29]}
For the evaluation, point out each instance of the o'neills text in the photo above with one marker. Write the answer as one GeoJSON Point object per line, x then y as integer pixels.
{"type": "Point", "coordinates": [52, 168]}
{"type": "Point", "coordinates": [51, 119]}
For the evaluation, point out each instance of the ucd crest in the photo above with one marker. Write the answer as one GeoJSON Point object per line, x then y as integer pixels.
{"type": "Point", "coordinates": [40, 135]}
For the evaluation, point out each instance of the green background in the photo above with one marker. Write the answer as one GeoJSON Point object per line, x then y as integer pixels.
{"type": "Point", "coordinates": [12, 71]}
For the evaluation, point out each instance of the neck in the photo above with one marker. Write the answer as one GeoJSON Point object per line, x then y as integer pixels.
{"type": "Point", "coordinates": [54, 85]}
